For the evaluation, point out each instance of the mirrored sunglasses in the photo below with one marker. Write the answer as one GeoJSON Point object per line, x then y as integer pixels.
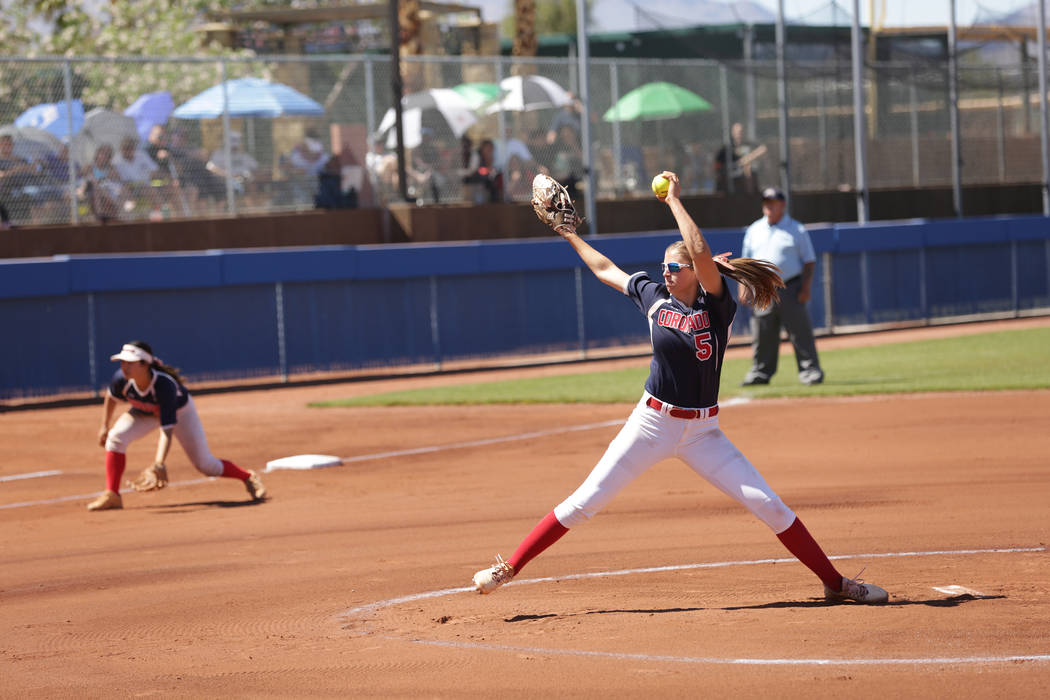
{"type": "Point", "coordinates": [673, 266]}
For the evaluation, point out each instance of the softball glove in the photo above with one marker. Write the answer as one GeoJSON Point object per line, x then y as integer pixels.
{"type": "Point", "coordinates": [551, 202]}
{"type": "Point", "coordinates": [152, 478]}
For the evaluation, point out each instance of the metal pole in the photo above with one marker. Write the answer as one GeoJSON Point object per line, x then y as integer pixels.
{"type": "Point", "coordinates": [585, 119]}
{"type": "Point", "coordinates": [727, 138]}
{"type": "Point", "coordinates": [785, 170]}
{"type": "Point", "coordinates": [860, 132]}
{"type": "Point", "coordinates": [913, 93]}
{"type": "Point", "coordinates": [822, 133]}
{"type": "Point", "coordinates": [953, 105]}
{"type": "Point", "coordinates": [503, 141]}
{"type": "Point", "coordinates": [1000, 123]}
{"type": "Point", "coordinates": [1042, 107]}
{"type": "Point", "coordinates": [67, 86]}
{"type": "Point", "coordinates": [282, 344]}
{"type": "Point", "coordinates": [370, 124]}
{"type": "Point", "coordinates": [749, 83]}
{"type": "Point", "coordinates": [227, 153]}
{"type": "Point", "coordinates": [397, 89]}
{"type": "Point", "coordinates": [614, 92]}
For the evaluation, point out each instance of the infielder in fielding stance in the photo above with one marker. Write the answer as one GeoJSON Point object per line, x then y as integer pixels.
{"type": "Point", "coordinates": [158, 400]}
{"type": "Point", "coordinates": [689, 314]}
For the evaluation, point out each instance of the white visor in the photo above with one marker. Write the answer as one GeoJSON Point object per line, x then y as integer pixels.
{"type": "Point", "coordinates": [132, 353]}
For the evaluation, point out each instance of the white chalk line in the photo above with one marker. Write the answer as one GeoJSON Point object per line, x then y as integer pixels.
{"type": "Point", "coordinates": [347, 615]}
{"type": "Point", "coordinates": [482, 443]}
{"type": "Point", "coordinates": [365, 458]}
{"type": "Point", "coordinates": [31, 475]}
{"type": "Point", "coordinates": [509, 438]}
{"type": "Point", "coordinates": [931, 661]}
{"type": "Point", "coordinates": [84, 496]}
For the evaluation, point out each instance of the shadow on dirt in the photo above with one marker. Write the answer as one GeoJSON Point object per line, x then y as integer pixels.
{"type": "Point", "coordinates": [200, 505]}
{"type": "Point", "coordinates": [813, 603]}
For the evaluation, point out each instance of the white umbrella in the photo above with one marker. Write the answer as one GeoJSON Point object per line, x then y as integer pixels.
{"type": "Point", "coordinates": [102, 126]}
{"type": "Point", "coordinates": [524, 93]}
{"type": "Point", "coordinates": [31, 143]}
{"type": "Point", "coordinates": [449, 103]}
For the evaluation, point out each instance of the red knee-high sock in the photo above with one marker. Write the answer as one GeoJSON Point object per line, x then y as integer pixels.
{"type": "Point", "coordinates": [800, 543]}
{"type": "Point", "coordinates": [232, 471]}
{"type": "Point", "coordinates": [115, 462]}
{"type": "Point", "coordinates": [547, 532]}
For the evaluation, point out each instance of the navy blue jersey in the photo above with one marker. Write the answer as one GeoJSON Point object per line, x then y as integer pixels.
{"type": "Point", "coordinates": [163, 397]}
{"type": "Point", "coordinates": [688, 342]}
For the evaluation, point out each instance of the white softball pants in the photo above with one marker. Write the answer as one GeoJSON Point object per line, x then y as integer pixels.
{"type": "Point", "coordinates": [649, 437]}
{"type": "Point", "coordinates": [188, 432]}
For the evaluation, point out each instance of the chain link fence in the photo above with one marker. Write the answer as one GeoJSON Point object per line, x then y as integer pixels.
{"type": "Point", "coordinates": [68, 152]}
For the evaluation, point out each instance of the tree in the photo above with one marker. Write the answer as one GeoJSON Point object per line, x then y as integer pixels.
{"type": "Point", "coordinates": [552, 17]}
{"type": "Point", "coordinates": [120, 30]}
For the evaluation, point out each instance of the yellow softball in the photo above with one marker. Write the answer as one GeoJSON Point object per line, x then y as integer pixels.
{"type": "Point", "coordinates": [660, 185]}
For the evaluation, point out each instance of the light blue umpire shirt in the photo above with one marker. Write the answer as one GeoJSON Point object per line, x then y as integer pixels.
{"type": "Point", "coordinates": [786, 244]}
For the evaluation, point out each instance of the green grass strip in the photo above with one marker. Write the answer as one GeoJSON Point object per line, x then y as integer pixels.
{"type": "Point", "coordinates": [997, 361]}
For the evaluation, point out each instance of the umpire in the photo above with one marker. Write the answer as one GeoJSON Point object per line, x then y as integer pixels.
{"type": "Point", "coordinates": [781, 240]}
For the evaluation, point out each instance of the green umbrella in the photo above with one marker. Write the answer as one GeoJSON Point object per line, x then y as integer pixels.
{"type": "Point", "coordinates": [478, 95]}
{"type": "Point", "coordinates": [659, 100]}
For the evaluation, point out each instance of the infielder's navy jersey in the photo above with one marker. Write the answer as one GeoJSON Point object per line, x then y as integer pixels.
{"type": "Point", "coordinates": [688, 342]}
{"type": "Point", "coordinates": [163, 397]}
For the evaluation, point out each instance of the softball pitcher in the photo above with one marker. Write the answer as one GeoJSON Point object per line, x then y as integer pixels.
{"type": "Point", "coordinates": [689, 315]}
{"type": "Point", "coordinates": [158, 400]}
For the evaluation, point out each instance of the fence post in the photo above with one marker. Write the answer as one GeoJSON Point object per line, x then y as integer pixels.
{"type": "Point", "coordinates": [435, 322]}
{"type": "Point", "coordinates": [581, 329]}
{"type": "Point", "coordinates": [370, 122]}
{"type": "Point", "coordinates": [914, 133]}
{"type": "Point", "coordinates": [282, 347]}
{"type": "Point", "coordinates": [67, 86]}
{"type": "Point", "coordinates": [829, 312]}
{"type": "Point", "coordinates": [231, 201]}
{"type": "Point", "coordinates": [727, 138]}
{"type": "Point", "coordinates": [1000, 118]}
{"type": "Point", "coordinates": [614, 88]}
{"type": "Point", "coordinates": [953, 114]}
{"type": "Point", "coordinates": [92, 346]}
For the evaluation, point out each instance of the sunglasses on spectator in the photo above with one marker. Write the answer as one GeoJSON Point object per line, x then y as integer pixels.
{"type": "Point", "coordinates": [673, 266]}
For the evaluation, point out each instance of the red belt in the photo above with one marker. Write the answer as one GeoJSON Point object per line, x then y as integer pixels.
{"type": "Point", "coordinates": [688, 413]}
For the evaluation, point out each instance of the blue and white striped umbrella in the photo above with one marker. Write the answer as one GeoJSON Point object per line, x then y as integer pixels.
{"type": "Point", "coordinates": [248, 97]}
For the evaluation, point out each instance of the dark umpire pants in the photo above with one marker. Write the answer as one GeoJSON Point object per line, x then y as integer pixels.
{"type": "Point", "coordinates": [765, 337]}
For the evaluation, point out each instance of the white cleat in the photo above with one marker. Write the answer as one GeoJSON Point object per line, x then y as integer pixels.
{"type": "Point", "coordinates": [488, 580]}
{"type": "Point", "coordinates": [857, 591]}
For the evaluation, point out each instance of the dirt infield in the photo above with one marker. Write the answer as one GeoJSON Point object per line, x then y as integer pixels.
{"type": "Point", "coordinates": [351, 581]}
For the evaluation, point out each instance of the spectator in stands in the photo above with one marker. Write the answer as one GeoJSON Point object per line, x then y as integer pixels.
{"type": "Point", "coordinates": [143, 179]}
{"type": "Point", "coordinates": [241, 166]}
{"type": "Point", "coordinates": [485, 180]}
{"type": "Point", "coordinates": [101, 185]}
{"type": "Point", "coordinates": [13, 173]}
{"type": "Point", "coordinates": [741, 165]}
{"type": "Point", "coordinates": [185, 167]}
{"type": "Point", "coordinates": [304, 163]}
{"type": "Point", "coordinates": [330, 193]}
{"type": "Point", "coordinates": [568, 160]}
{"type": "Point", "coordinates": [423, 169]}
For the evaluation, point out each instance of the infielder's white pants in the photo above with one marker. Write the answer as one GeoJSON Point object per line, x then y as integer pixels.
{"type": "Point", "coordinates": [650, 437]}
{"type": "Point", "coordinates": [188, 431]}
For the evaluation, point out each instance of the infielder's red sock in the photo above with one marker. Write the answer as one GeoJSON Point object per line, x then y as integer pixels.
{"type": "Point", "coordinates": [800, 543]}
{"type": "Point", "coordinates": [547, 532]}
{"type": "Point", "coordinates": [232, 471]}
{"type": "Point", "coordinates": [115, 462]}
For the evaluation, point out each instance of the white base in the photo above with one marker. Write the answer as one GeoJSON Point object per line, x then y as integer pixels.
{"type": "Point", "coordinates": [304, 462]}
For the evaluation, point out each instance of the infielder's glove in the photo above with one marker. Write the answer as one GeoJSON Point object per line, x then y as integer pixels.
{"type": "Point", "coordinates": [152, 478]}
{"type": "Point", "coordinates": [551, 202]}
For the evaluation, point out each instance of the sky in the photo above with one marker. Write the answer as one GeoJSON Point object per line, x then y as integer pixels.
{"type": "Point", "coordinates": [615, 15]}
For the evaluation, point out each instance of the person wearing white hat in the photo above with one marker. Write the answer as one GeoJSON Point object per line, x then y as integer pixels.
{"type": "Point", "coordinates": [158, 399]}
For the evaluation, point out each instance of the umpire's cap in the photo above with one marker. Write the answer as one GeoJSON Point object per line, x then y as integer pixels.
{"type": "Point", "coordinates": [773, 193]}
